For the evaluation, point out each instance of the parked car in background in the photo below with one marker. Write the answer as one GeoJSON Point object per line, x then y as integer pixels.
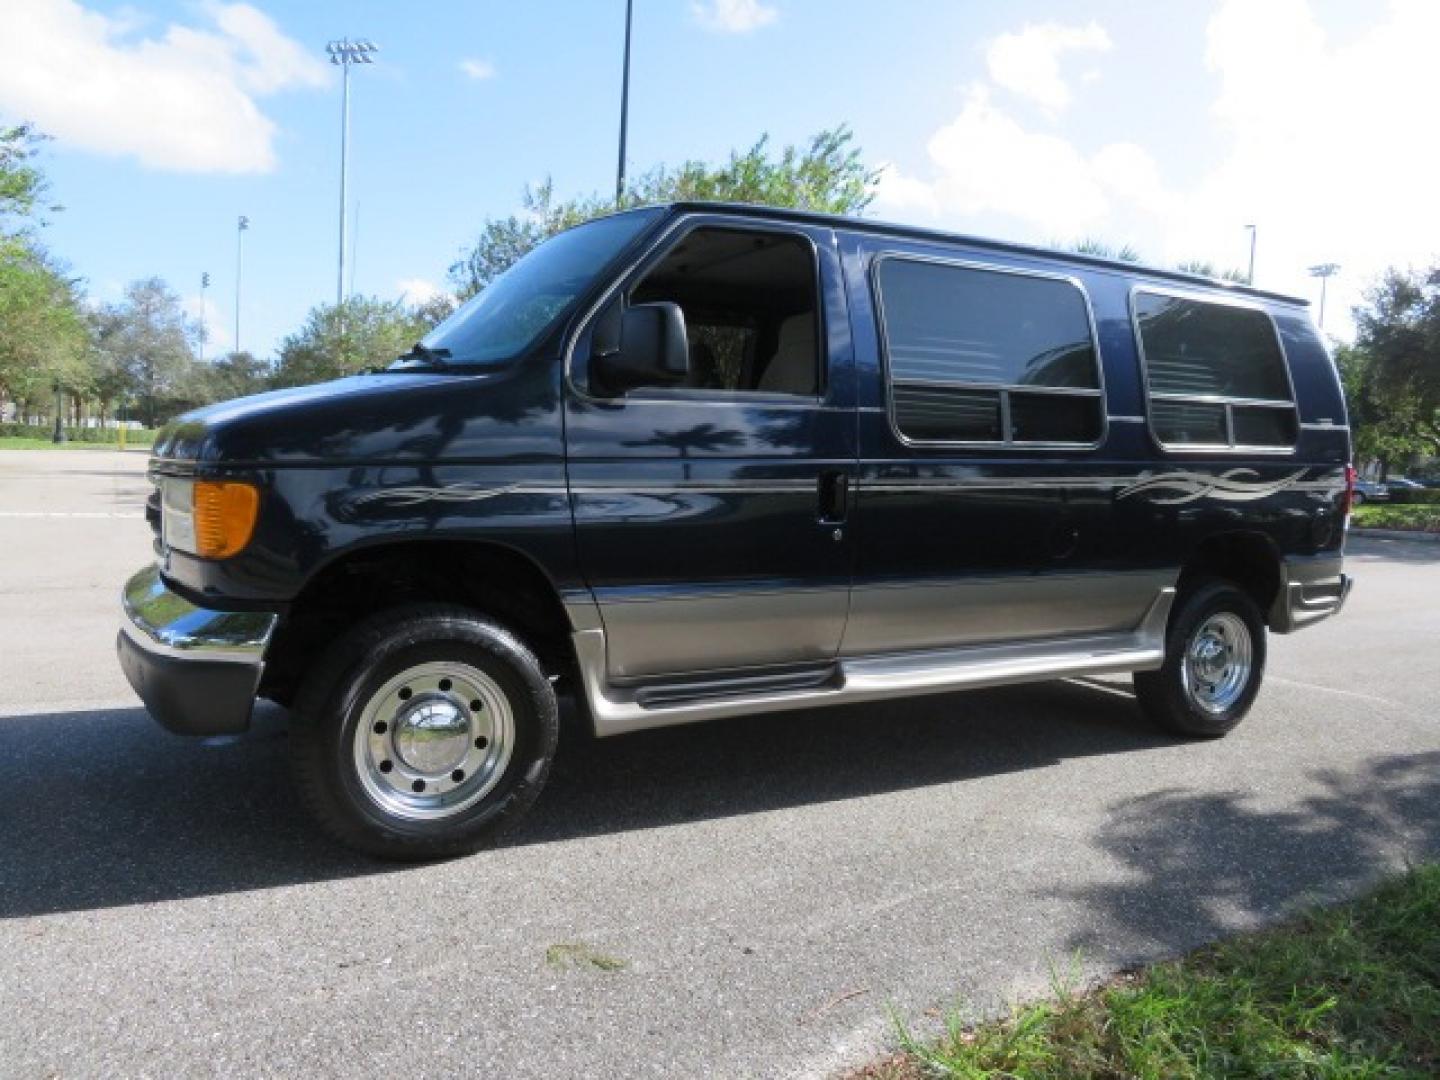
{"type": "Point", "coordinates": [1403, 489]}
{"type": "Point", "coordinates": [1371, 491]}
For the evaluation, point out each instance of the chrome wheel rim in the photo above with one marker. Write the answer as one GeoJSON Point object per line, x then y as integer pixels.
{"type": "Point", "coordinates": [1218, 662]}
{"type": "Point", "coordinates": [434, 740]}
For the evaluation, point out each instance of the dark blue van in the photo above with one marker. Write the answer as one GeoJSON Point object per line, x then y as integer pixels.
{"type": "Point", "coordinates": [695, 461]}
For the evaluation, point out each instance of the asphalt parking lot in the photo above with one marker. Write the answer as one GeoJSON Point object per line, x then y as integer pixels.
{"type": "Point", "coordinates": [746, 898]}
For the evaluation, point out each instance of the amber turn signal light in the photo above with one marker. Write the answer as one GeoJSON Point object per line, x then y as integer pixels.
{"type": "Point", "coordinates": [225, 512]}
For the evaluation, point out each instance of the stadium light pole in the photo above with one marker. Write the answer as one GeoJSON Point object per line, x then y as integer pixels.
{"type": "Point", "coordinates": [345, 53]}
{"type": "Point", "coordinates": [241, 225]}
{"type": "Point", "coordinates": [1324, 271]}
{"type": "Point", "coordinates": [1250, 279]}
{"type": "Point", "coordinates": [624, 107]}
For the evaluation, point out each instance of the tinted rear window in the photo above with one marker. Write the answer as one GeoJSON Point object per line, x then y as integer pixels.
{"type": "Point", "coordinates": [956, 324]}
{"type": "Point", "coordinates": [1215, 373]}
{"type": "Point", "coordinates": [978, 355]}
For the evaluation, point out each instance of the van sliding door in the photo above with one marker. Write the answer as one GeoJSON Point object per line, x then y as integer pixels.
{"type": "Point", "coordinates": [985, 508]}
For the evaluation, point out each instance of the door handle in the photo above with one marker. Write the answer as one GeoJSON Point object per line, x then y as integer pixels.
{"type": "Point", "coordinates": [834, 491]}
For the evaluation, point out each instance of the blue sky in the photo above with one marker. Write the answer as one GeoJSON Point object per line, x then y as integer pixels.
{"type": "Point", "coordinates": [1169, 126]}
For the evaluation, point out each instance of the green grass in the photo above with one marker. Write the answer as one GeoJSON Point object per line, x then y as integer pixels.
{"type": "Point", "coordinates": [582, 956]}
{"type": "Point", "coordinates": [1398, 516]}
{"type": "Point", "coordinates": [1349, 992]}
{"type": "Point", "coordinates": [26, 442]}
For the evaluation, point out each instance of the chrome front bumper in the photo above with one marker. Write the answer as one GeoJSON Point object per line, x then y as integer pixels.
{"type": "Point", "coordinates": [1311, 589]}
{"type": "Point", "coordinates": [196, 669]}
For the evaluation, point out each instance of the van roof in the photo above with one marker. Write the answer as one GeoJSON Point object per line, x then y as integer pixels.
{"type": "Point", "coordinates": [871, 225]}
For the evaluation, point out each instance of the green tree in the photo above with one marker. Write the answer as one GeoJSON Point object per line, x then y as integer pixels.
{"type": "Point", "coordinates": [144, 344]}
{"type": "Point", "coordinates": [1125, 253]}
{"type": "Point", "coordinates": [826, 175]}
{"type": "Point", "coordinates": [431, 313]}
{"type": "Point", "coordinates": [1383, 425]}
{"type": "Point", "coordinates": [44, 338]}
{"type": "Point", "coordinates": [342, 339]}
{"type": "Point", "coordinates": [236, 374]}
{"type": "Point", "coordinates": [22, 184]}
{"type": "Point", "coordinates": [1205, 268]}
{"type": "Point", "coordinates": [1092, 246]}
{"type": "Point", "coordinates": [1398, 330]}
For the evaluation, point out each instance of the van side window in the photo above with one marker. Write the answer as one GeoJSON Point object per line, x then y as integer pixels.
{"type": "Point", "coordinates": [979, 355]}
{"type": "Point", "coordinates": [751, 317]}
{"type": "Point", "coordinates": [1215, 373]}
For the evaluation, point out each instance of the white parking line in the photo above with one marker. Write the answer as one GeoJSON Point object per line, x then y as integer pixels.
{"type": "Point", "coordinates": [1344, 693]}
{"type": "Point", "coordinates": [60, 708]}
{"type": "Point", "coordinates": [68, 514]}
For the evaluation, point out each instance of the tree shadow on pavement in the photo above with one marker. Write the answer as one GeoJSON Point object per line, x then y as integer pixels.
{"type": "Point", "coordinates": [1366, 549]}
{"type": "Point", "coordinates": [1200, 866]}
{"type": "Point", "coordinates": [103, 808]}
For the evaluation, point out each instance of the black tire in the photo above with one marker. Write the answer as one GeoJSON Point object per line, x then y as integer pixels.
{"type": "Point", "coordinates": [1357, 498]}
{"type": "Point", "coordinates": [334, 696]}
{"type": "Point", "coordinates": [1163, 694]}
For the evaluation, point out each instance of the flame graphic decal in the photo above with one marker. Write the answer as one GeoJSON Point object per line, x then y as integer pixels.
{"type": "Point", "coordinates": [452, 493]}
{"type": "Point", "coordinates": [1237, 485]}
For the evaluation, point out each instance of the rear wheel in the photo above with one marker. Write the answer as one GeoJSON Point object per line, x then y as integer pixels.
{"type": "Point", "coordinates": [423, 733]}
{"type": "Point", "coordinates": [1214, 662]}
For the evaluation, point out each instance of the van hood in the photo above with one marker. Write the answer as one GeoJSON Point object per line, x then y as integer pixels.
{"type": "Point", "coordinates": [390, 416]}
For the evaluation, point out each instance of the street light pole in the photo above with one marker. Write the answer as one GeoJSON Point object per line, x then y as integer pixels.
{"type": "Point", "coordinates": [343, 54]}
{"type": "Point", "coordinates": [624, 108]}
{"type": "Point", "coordinates": [1324, 271]}
{"type": "Point", "coordinates": [240, 226]}
{"type": "Point", "coordinates": [204, 284]}
{"type": "Point", "coordinates": [1250, 279]}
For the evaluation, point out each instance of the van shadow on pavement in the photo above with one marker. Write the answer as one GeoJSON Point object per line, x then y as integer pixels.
{"type": "Point", "coordinates": [104, 808]}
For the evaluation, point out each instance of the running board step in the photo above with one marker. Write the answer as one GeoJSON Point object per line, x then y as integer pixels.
{"type": "Point", "coordinates": [617, 710]}
{"type": "Point", "coordinates": [670, 695]}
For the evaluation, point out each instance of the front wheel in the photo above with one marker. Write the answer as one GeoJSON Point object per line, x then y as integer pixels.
{"type": "Point", "coordinates": [1214, 662]}
{"type": "Point", "coordinates": [422, 733]}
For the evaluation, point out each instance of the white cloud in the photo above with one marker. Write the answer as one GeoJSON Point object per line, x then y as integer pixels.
{"type": "Point", "coordinates": [1028, 62]}
{"type": "Point", "coordinates": [416, 291]}
{"type": "Point", "coordinates": [265, 60]}
{"type": "Point", "coordinates": [734, 16]}
{"type": "Point", "coordinates": [479, 70]}
{"type": "Point", "coordinates": [1320, 144]}
{"type": "Point", "coordinates": [986, 162]}
{"type": "Point", "coordinates": [903, 192]}
{"type": "Point", "coordinates": [1326, 147]}
{"type": "Point", "coordinates": [184, 99]}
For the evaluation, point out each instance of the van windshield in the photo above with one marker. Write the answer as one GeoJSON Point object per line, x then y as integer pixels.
{"type": "Point", "coordinates": [512, 311]}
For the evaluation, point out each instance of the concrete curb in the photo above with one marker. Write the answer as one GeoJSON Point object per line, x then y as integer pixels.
{"type": "Point", "coordinates": [1398, 534]}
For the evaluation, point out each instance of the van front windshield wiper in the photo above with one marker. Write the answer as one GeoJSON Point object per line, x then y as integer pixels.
{"type": "Point", "coordinates": [420, 352]}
